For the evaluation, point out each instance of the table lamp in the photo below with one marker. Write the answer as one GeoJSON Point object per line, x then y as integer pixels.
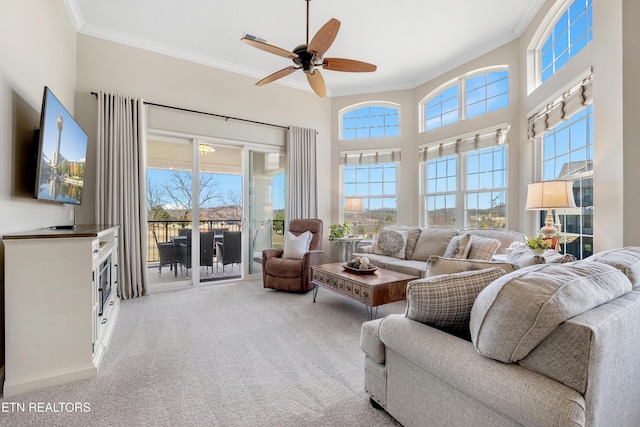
{"type": "Point", "coordinates": [355, 205]}
{"type": "Point", "coordinates": [550, 195]}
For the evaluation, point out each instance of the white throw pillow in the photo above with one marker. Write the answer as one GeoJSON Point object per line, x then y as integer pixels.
{"type": "Point", "coordinates": [296, 246]}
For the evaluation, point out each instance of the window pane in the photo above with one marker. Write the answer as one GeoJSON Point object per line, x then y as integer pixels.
{"type": "Point", "coordinates": [374, 121]}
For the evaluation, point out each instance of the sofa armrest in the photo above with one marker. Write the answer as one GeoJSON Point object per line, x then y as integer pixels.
{"type": "Point", "coordinates": [370, 341]}
{"type": "Point", "coordinates": [517, 392]}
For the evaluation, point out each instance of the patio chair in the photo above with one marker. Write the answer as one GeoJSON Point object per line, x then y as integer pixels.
{"type": "Point", "coordinates": [229, 251]}
{"type": "Point", "coordinates": [167, 253]}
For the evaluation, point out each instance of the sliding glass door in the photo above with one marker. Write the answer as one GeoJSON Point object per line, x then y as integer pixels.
{"type": "Point", "coordinates": [266, 196]}
{"type": "Point", "coordinates": [195, 211]}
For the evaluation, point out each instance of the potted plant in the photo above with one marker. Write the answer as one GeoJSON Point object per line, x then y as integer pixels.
{"type": "Point", "coordinates": [337, 231]}
{"type": "Point", "coordinates": [539, 244]}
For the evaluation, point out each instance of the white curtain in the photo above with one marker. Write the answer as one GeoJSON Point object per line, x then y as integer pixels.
{"type": "Point", "coordinates": [121, 185]}
{"type": "Point", "coordinates": [302, 199]}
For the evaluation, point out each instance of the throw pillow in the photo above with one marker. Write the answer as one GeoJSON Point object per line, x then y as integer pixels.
{"type": "Point", "coordinates": [625, 259]}
{"type": "Point", "coordinates": [432, 241]}
{"type": "Point", "coordinates": [514, 314]}
{"type": "Point", "coordinates": [458, 247]}
{"type": "Point", "coordinates": [296, 246]}
{"type": "Point", "coordinates": [445, 302]}
{"type": "Point", "coordinates": [438, 265]}
{"type": "Point", "coordinates": [391, 243]}
{"type": "Point", "coordinates": [522, 256]}
{"type": "Point", "coordinates": [483, 247]}
{"type": "Point", "coordinates": [553, 257]}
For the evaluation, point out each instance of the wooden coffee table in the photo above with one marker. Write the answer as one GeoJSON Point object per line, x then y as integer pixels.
{"type": "Point", "coordinates": [381, 287]}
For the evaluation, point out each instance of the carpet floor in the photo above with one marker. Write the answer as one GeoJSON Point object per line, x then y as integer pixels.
{"type": "Point", "coordinates": [232, 354]}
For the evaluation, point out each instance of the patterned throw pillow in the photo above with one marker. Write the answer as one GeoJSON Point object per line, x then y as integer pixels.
{"type": "Point", "coordinates": [458, 247]}
{"type": "Point", "coordinates": [391, 243]}
{"type": "Point", "coordinates": [296, 246]}
{"type": "Point", "coordinates": [445, 301]}
{"type": "Point", "coordinates": [483, 247]}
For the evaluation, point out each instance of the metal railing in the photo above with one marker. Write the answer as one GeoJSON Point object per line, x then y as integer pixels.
{"type": "Point", "coordinates": [166, 229]}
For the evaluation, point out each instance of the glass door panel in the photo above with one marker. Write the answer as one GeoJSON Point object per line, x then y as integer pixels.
{"type": "Point", "coordinates": [169, 210]}
{"type": "Point", "coordinates": [266, 205]}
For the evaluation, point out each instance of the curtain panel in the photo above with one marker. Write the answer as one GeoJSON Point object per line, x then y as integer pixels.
{"type": "Point", "coordinates": [121, 185]}
{"type": "Point", "coordinates": [302, 198]}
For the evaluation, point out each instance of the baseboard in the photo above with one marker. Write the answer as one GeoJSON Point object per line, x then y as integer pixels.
{"type": "Point", "coordinates": [78, 373]}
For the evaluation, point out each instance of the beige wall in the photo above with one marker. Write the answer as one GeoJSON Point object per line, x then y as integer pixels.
{"type": "Point", "coordinates": [38, 45]}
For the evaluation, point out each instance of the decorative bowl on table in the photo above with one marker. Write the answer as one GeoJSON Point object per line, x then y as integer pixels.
{"type": "Point", "coordinates": [359, 265]}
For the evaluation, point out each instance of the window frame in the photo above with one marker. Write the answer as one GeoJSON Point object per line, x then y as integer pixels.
{"type": "Point", "coordinates": [368, 104]}
{"type": "Point", "coordinates": [461, 81]}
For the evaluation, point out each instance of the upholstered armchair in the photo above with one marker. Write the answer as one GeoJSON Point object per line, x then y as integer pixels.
{"type": "Point", "coordinates": [289, 274]}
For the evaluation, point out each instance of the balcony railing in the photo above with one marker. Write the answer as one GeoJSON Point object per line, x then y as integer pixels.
{"type": "Point", "coordinates": [166, 229]}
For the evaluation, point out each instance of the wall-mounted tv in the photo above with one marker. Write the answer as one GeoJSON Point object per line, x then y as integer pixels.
{"type": "Point", "coordinates": [62, 153]}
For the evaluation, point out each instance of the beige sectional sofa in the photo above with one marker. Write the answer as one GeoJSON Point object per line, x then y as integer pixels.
{"type": "Point", "coordinates": [544, 345]}
{"type": "Point", "coordinates": [422, 243]}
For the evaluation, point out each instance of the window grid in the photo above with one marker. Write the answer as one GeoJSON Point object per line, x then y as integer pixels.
{"type": "Point", "coordinates": [486, 92]}
{"type": "Point", "coordinates": [482, 196]}
{"type": "Point", "coordinates": [377, 185]}
{"type": "Point", "coordinates": [567, 153]}
{"type": "Point", "coordinates": [440, 201]}
{"type": "Point", "coordinates": [373, 121]}
{"type": "Point", "coordinates": [485, 201]}
{"type": "Point", "coordinates": [465, 98]}
{"type": "Point", "coordinates": [570, 34]}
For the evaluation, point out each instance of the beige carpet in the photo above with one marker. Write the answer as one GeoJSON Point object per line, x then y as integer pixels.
{"type": "Point", "coordinates": [230, 354]}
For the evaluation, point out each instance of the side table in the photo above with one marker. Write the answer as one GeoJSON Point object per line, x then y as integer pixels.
{"type": "Point", "coordinates": [347, 246]}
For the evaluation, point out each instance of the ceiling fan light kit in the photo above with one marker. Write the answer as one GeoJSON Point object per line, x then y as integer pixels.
{"type": "Point", "coordinates": [309, 56]}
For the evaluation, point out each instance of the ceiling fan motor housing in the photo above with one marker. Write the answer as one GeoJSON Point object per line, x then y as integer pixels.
{"type": "Point", "coordinates": [304, 59]}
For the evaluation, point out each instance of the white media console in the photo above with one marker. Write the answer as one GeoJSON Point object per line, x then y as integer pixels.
{"type": "Point", "coordinates": [61, 305]}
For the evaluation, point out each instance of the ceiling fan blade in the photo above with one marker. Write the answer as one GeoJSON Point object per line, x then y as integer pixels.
{"type": "Point", "coordinates": [341, 64]}
{"type": "Point", "coordinates": [277, 75]}
{"type": "Point", "coordinates": [325, 36]}
{"type": "Point", "coordinates": [269, 48]}
{"type": "Point", "coordinates": [317, 82]}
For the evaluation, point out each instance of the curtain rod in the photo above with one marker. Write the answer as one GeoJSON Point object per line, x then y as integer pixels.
{"type": "Point", "coordinates": [153, 104]}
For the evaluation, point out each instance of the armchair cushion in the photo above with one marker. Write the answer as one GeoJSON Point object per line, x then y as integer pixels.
{"type": "Point", "coordinates": [296, 246]}
{"type": "Point", "coordinates": [445, 301]}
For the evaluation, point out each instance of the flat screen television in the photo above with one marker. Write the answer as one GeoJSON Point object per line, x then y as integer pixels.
{"type": "Point", "coordinates": [61, 155]}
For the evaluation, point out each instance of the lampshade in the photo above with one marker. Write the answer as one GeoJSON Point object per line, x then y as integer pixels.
{"type": "Point", "coordinates": [550, 195]}
{"type": "Point", "coordinates": [354, 204]}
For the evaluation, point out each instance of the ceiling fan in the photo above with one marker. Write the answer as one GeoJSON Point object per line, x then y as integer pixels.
{"type": "Point", "coordinates": [310, 55]}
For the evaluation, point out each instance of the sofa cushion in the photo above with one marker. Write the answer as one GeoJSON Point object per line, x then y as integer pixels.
{"type": "Point", "coordinates": [506, 237]}
{"type": "Point", "coordinates": [296, 246]}
{"type": "Point", "coordinates": [391, 243]}
{"type": "Point", "coordinates": [445, 302]}
{"type": "Point", "coordinates": [437, 265]}
{"type": "Point", "coordinates": [515, 313]}
{"type": "Point", "coordinates": [432, 241]}
{"type": "Point", "coordinates": [458, 247]}
{"type": "Point", "coordinates": [483, 247]}
{"type": "Point", "coordinates": [625, 259]}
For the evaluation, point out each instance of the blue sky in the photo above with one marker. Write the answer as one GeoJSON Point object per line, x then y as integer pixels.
{"type": "Point", "coordinates": [73, 140]}
{"type": "Point", "coordinates": [227, 182]}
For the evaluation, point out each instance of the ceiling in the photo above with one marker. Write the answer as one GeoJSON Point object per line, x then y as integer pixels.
{"type": "Point", "coordinates": [411, 41]}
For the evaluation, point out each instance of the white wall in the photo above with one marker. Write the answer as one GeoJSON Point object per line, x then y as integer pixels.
{"type": "Point", "coordinates": [38, 45]}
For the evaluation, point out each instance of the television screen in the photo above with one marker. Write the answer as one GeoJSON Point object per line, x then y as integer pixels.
{"type": "Point", "coordinates": [62, 152]}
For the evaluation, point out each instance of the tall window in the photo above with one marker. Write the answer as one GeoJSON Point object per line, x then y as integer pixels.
{"type": "Point", "coordinates": [464, 181]}
{"type": "Point", "coordinates": [563, 139]}
{"type": "Point", "coordinates": [467, 96]}
{"type": "Point", "coordinates": [372, 177]}
{"type": "Point", "coordinates": [568, 35]}
{"type": "Point", "coordinates": [370, 121]}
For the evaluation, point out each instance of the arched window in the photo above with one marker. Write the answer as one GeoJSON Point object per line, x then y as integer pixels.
{"type": "Point", "coordinates": [467, 96]}
{"type": "Point", "coordinates": [565, 37]}
{"type": "Point", "coordinates": [370, 120]}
